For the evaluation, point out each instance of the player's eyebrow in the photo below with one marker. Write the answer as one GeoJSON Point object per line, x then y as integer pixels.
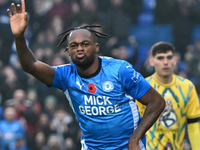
{"type": "Point", "coordinates": [170, 56]}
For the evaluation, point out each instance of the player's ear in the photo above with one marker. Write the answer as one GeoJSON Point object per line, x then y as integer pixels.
{"type": "Point", "coordinates": [151, 61]}
{"type": "Point", "coordinates": [97, 47]}
{"type": "Point", "coordinates": [67, 50]}
{"type": "Point", "coordinates": [175, 60]}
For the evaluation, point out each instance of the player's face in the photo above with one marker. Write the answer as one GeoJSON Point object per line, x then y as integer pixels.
{"type": "Point", "coordinates": [164, 64]}
{"type": "Point", "coordinates": [82, 48]}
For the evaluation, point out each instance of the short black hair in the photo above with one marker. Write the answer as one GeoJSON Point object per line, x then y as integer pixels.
{"type": "Point", "coordinates": [161, 47]}
{"type": "Point", "coordinates": [87, 27]}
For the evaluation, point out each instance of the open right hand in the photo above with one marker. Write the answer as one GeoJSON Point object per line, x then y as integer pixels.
{"type": "Point", "coordinates": [19, 19]}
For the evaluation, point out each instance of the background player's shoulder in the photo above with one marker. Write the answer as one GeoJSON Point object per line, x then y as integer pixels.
{"type": "Point", "coordinates": [182, 80]}
{"type": "Point", "coordinates": [149, 78]}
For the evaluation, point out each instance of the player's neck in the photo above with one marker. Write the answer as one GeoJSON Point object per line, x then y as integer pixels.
{"type": "Point", "coordinates": [164, 79]}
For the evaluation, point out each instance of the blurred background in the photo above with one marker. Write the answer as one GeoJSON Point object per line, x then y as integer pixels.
{"type": "Point", "coordinates": [34, 117]}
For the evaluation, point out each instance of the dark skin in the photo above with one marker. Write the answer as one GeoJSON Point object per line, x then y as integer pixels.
{"type": "Point", "coordinates": [82, 49]}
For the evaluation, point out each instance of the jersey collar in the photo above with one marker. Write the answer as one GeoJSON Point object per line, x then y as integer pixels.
{"type": "Point", "coordinates": [95, 73]}
{"type": "Point", "coordinates": [168, 84]}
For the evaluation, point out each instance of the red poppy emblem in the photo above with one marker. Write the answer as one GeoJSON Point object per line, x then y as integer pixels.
{"type": "Point", "coordinates": [92, 88]}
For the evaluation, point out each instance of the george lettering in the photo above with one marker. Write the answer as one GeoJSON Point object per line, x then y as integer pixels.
{"type": "Point", "coordinates": [88, 110]}
{"type": "Point", "coordinates": [99, 110]}
{"type": "Point", "coordinates": [98, 105]}
{"type": "Point", "coordinates": [102, 110]}
{"type": "Point", "coordinates": [95, 110]}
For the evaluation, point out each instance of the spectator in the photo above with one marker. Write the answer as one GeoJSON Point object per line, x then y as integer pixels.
{"type": "Point", "coordinates": [44, 125]}
{"type": "Point", "coordinates": [165, 11]}
{"type": "Point", "coordinates": [117, 24]}
{"type": "Point", "coordinates": [9, 83]}
{"type": "Point", "coordinates": [87, 13]}
{"type": "Point", "coordinates": [6, 38]}
{"type": "Point", "coordinates": [50, 105]}
{"type": "Point", "coordinates": [12, 132]}
{"type": "Point", "coordinates": [40, 141]}
{"type": "Point", "coordinates": [53, 143]}
{"type": "Point", "coordinates": [30, 113]}
{"type": "Point", "coordinates": [183, 25]}
{"type": "Point", "coordinates": [61, 9]}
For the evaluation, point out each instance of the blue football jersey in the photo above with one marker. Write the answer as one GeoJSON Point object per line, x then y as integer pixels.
{"type": "Point", "coordinates": [9, 132]}
{"type": "Point", "coordinates": [104, 102]}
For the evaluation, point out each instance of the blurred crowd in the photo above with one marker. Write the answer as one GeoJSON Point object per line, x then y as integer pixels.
{"type": "Point", "coordinates": [35, 117]}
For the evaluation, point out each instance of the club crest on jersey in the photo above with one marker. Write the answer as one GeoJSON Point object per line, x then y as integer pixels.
{"type": "Point", "coordinates": [168, 117]}
{"type": "Point", "coordinates": [108, 86]}
{"type": "Point", "coordinates": [92, 88]}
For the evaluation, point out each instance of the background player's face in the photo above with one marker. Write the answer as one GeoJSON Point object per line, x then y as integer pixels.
{"type": "Point", "coordinates": [82, 48]}
{"type": "Point", "coordinates": [164, 63]}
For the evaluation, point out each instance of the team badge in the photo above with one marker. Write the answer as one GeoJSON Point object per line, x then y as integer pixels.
{"type": "Point", "coordinates": [168, 117]}
{"type": "Point", "coordinates": [108, 86]}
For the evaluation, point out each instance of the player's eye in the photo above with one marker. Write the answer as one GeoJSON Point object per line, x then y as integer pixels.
{"type": "Point", "coordinates": [85, 44]}
{"type": "Point", "coordinates": [159, 58]}
{"type": "Point", "coordinates": [170, 57]}
{"type": "Point", "coordinates": [73, 46]}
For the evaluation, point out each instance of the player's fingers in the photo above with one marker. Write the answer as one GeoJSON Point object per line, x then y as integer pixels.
{"type": "Point", "coordinates": [19, 8]}
{"type": "Point", "coordinates": [9, 13]}
{"type": "Point", "coordinates": [25, 16]}
{"type": "Point", "coordinates": [13, 8]}
{"type": "Point", "coordinates": [23, 6]}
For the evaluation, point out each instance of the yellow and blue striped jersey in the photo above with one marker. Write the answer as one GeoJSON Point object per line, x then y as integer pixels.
{"type": "Point", "coordinates": [182, 104]}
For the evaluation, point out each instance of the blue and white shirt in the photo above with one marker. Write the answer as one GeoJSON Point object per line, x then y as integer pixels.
{"type": "Point", "coordinates": [104, 102]}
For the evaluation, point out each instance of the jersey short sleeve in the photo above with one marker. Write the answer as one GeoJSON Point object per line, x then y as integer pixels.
{"type": "Point", "coordinates": [193, 110]}
{"type": "Point", "coordinates": [62, 76]}
{"type": "Point", "coordinates": [132, 81]}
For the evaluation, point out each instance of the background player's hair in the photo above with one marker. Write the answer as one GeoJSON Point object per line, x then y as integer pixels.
{"type": "Point", "coordinates": [162, 47]}
{"type": "Point", "coordinates": [87, 27]}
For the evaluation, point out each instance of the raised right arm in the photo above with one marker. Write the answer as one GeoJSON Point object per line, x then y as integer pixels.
{"type": "Point", "coordinates": [18, 23]}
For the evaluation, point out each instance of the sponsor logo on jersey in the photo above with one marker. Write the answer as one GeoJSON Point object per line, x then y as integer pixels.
{"type": "Point", "coordinates": [108, 86]}
{"type": "Point", "coordinates": [98, 105]}
{"type": "Point", "coordinates": [80, 85]}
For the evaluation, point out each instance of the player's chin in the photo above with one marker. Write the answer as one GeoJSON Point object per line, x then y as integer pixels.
{"type": "Point", "coordinates": [166, 74]}
{"type": "Point", "coordinates": [79, 61]}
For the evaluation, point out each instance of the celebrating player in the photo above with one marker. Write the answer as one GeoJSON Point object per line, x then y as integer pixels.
{"type": "Point", "coordinates": [100, 90]}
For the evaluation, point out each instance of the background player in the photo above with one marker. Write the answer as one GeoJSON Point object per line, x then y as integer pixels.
{"type": "Point", "coordinates": [101, 91]}
{"type": "Point", "coordinates": [182, 103]}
